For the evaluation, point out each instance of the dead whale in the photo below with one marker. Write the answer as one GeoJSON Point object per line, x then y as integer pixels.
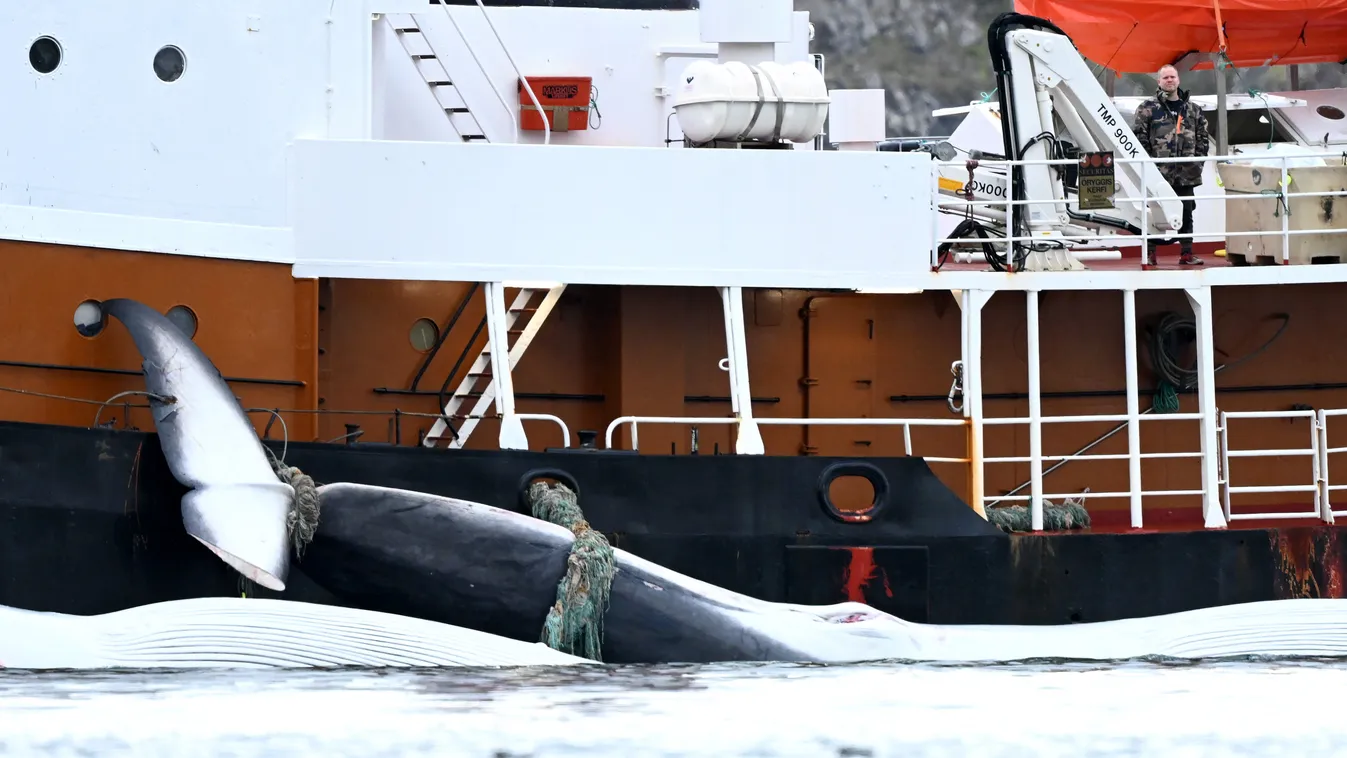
{"type": "Point", "coordinates": [497, 571]}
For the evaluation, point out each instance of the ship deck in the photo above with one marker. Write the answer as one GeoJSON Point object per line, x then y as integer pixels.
{"type": "Point", "coordinates": [1167, 262]}
{"type": "Point", "coordinates": [1127, 273]}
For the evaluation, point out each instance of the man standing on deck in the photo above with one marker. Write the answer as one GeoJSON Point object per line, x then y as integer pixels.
{"type": "Point", "coordinates": [1170, 125]}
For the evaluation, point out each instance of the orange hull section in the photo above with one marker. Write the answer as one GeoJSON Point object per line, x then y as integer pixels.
{"type": "Point", "coordinates": [327, 354]}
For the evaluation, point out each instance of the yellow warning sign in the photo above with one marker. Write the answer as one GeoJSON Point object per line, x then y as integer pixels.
{"type": "Point", "coordinates": [1095, 181]}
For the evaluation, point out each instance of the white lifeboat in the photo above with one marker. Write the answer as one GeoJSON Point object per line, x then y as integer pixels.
{"type": "Point", "coordinates": [737, 102]}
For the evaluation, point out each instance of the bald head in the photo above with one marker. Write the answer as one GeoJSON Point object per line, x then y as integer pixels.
{"type": "Point", "coordinates": [1168, 79]}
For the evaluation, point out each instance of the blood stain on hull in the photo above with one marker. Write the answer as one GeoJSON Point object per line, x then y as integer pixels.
{"type": "Point", "coordinates": [861, 570]}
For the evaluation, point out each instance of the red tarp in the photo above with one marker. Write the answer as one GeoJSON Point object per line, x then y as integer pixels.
{"type": "Point", "coordinates": [1140, 36]}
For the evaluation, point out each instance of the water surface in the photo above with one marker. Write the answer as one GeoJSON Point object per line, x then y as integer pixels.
{"type": "Point", "coordinates": [1253, 708]}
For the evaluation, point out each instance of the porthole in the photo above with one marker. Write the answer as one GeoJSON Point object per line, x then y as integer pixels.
{"type": "Point", "coordinates": [1331, 112]}
{"type": "Point", "coordinates": [90, 318]}
{"type": "Point", "coordinates": [425, 333]}
{"type": "Point", "coordinates": [169, 63]}
{"type": "Point", "coordinates": [44, 55]}
{"type": "Point", "coordinates": [182, 317]}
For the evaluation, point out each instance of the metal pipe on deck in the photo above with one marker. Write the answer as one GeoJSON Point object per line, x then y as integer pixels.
{"type": "Point", "coordinates": [1133, 404]}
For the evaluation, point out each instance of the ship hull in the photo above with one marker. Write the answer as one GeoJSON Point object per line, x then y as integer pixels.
{"type": "Point", "coordinates": [90, 523]}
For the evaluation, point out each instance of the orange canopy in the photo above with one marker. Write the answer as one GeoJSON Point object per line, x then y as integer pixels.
{"type": "Point", "coordinates": [1140, 36]}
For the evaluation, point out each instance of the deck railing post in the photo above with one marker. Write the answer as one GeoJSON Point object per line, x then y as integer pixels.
{"type": "Point", "coordinates": [1200, 299]}
{"type": "Point", "coordinates": [1284, 180]}
{"type": "Point", "coordinates": [1035, 414]}
{"type": "Point", "coordinates": [1325, 501]}
{"type": "Point", "coordinates": [512, 435]}
{"type": "Point", "coordinates": [972, 304]}
{"type": "Point", "coordinates": [1133, 405]}
{"type": "Point", "coordinates": [748, 440]}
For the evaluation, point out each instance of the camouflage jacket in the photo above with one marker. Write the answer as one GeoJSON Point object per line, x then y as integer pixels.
{"type": "Point", "coordinates": [1164, 136]}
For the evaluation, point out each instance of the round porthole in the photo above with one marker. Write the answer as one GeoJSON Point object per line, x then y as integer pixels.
{"type": "Point", "coordinates": [169, 63]}
{"type": "Point", "coordinates": [425, 333]}
{"type": "Point", "coordinates": [182, 317]}
{"type": "Point", "coordinates": [44, 55]}
{"type": "Point", "coordinates": [1331, 112]}
{"type": "Point", "coordinates": [90, 319]}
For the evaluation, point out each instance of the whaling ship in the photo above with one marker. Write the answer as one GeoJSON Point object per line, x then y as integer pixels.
{"type": "Point", "coordinates": [640, 248]}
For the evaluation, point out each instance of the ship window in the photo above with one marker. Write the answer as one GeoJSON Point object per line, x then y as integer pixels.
{"type": "Point", "coordinates": [169, 63]}
{"type": "Point", "coordinates": [425, 333]}
{"type": "Point", "coordinates": [1330, 112]}
{"type": "Point", "coordinates": [45, 55]}
{"type": "Point", "coordinates": [90, 318]}
{"type": "Point", "coordinates": [183, 318]}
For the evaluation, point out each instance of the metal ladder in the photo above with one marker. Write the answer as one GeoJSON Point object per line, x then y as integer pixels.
{"type": "Point", "coordinates": [533, 316]}
{"type": "Point", "coordinates": [436, 76]}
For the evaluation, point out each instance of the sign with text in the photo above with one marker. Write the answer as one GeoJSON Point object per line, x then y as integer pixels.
{"type": "Point", "coordinates": [1095, 181]}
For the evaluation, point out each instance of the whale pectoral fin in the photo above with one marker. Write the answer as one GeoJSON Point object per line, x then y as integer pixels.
{"type": "Point", "coordinates": [237, 506]}
{"type": "Point", "coordinates": [225, 517]}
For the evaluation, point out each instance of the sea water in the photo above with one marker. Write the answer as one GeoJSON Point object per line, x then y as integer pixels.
{"type": "Point", "coordinates": [1151, 708]}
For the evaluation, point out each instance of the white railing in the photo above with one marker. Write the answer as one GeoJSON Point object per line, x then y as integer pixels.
{"type": "Point", "coordinates": [1326, 487]}
{"type": "Point", "coordinates": [1228, 488]}
{"type": "Point", "coordinates": [1317, 450]}
{"type": "Point", "coordinates": [906, 423]}
{"type": "Point", "coordinates": [1278, 163]}
{"type": "Point", "coordinates": [509, 111]}
{"type": "Point", "coordinates": [1136, 489]}
{"type": "Point", "coordinates": [547, 129]}
{"type": "Point", "coordinates": [565, 431]}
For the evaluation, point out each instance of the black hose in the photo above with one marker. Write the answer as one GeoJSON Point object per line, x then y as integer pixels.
{"type": "Point", "coordinates": [1173, 331]}
{"type": "Point", "coordinates": [968, 228]}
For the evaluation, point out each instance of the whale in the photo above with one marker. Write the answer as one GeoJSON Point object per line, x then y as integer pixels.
{"type": "Point", "coordinates": [497, 571]}
{"type": "Point", "coordinates": [236, 505]}
{"type": "Point", "coordinates": [424, 579]}
{"type": "Point", "coordinates": [225, 632]}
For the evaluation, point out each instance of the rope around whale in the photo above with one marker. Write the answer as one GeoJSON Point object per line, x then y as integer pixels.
{"type": "Point", "coordinates": [301, 521]}
{"type": "Point", "coordinates": [575, 623]}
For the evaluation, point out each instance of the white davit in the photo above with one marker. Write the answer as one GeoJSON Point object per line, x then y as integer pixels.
{"type": "Point", "coordinates": [735, 101]}
{"type": "Point", "coordinates": [223, 632]}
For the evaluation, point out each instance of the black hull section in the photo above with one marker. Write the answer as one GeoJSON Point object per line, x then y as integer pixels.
{"type": "Point", "coordinates": [90, 523]}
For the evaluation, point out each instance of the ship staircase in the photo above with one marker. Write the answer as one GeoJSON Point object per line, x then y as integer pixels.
{"type": "Point", "coordinates": [435, 74]}
{"type": "Point", "coordinates": [513, 331]}
{"type": "Point", "coordinates": [431, 65]}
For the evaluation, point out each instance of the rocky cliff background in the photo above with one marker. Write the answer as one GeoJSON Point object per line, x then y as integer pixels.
{"type": "Point", "coordinates": [930, 54]}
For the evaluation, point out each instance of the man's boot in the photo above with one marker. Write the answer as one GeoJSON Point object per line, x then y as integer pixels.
{"type": "Point", "coordinates": [1186, 257]}
{"type": "Point", "coordinates": [1149, 261]}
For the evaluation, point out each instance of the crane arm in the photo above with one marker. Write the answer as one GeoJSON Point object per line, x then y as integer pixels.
{"type": "Point", "coordinates": [1048, 96]}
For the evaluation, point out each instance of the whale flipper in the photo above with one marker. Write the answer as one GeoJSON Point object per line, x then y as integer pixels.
{"type": "Point", "coordinates": [237, 506]}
